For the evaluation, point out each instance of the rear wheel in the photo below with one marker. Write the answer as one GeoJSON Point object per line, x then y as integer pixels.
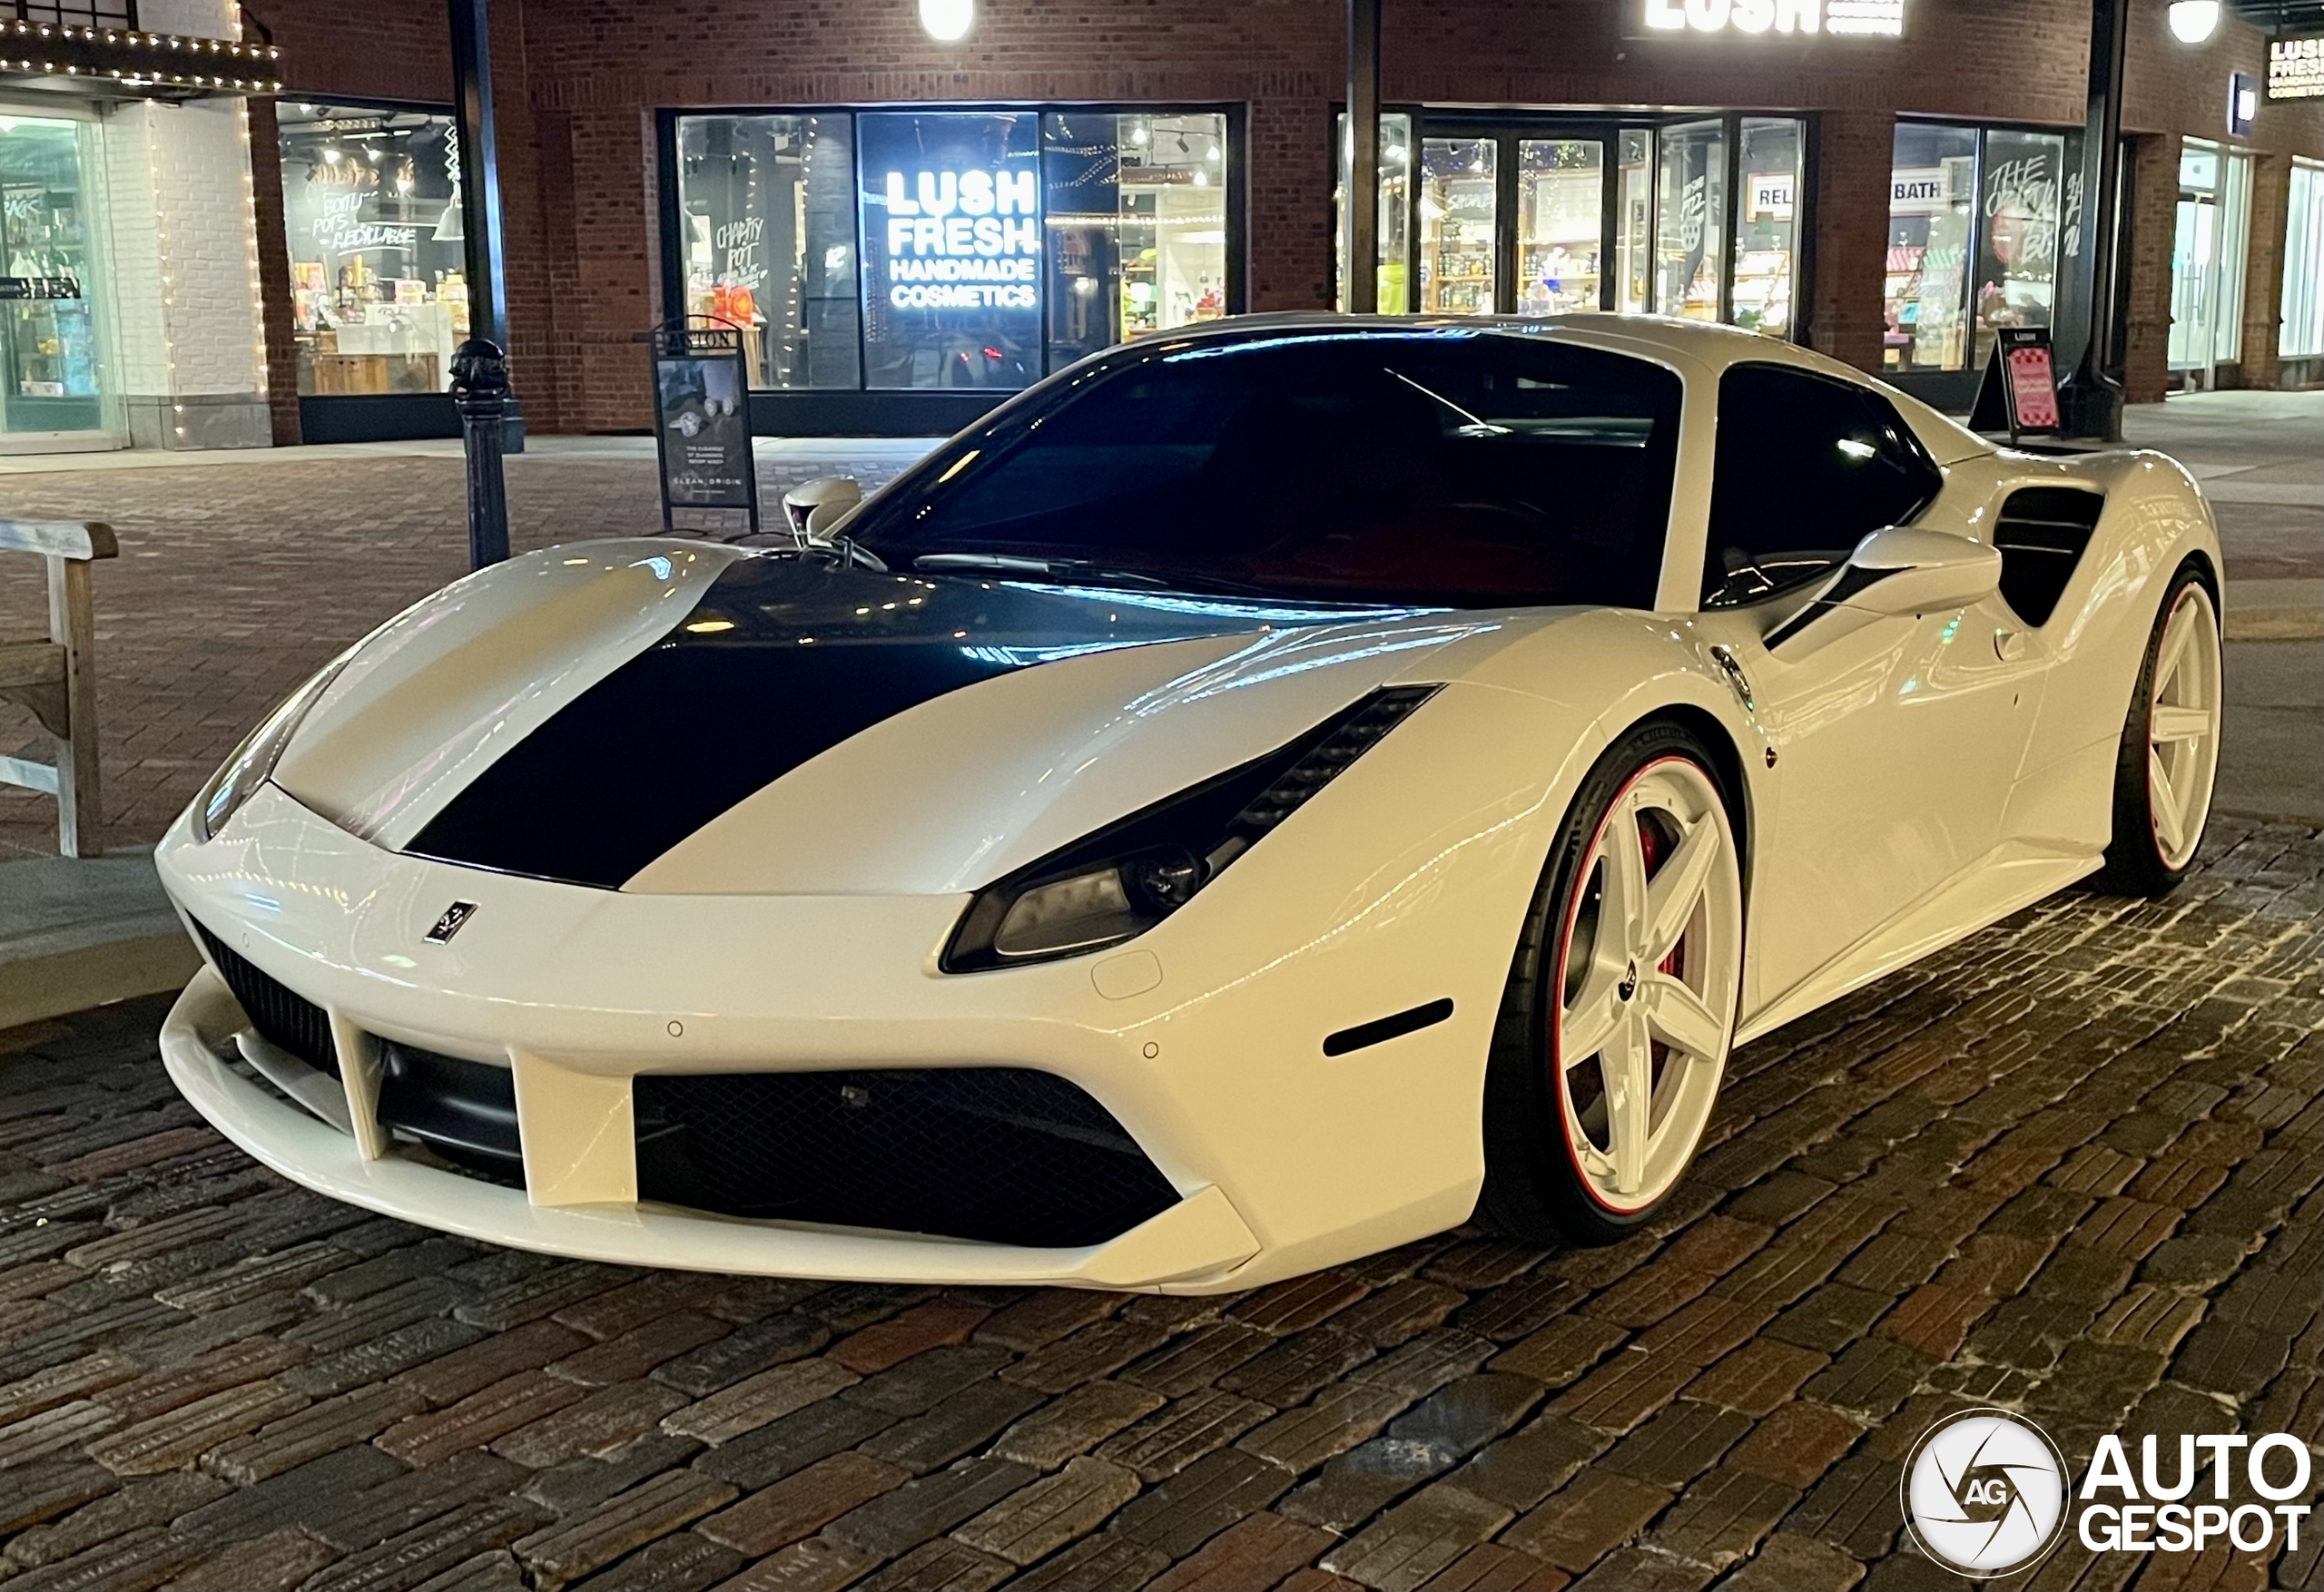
{"type": "Point", "coordinates": [2169, 760]}
{"type": "Point", "coordinates": [1620, 1006]}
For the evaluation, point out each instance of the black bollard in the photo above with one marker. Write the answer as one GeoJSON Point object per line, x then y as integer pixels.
{"type": "Point", "coordinates": [480, 389]}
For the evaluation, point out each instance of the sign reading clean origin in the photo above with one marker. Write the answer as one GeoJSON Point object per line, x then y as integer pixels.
{"type": "Point", "coordinates": [1658, 19]}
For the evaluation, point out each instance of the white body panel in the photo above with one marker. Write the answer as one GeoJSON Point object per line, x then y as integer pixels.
{"type": "Point", "coordinates": [1905, 780]}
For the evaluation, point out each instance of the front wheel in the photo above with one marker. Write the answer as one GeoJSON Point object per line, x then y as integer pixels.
{"type": "Point", "coordinates": [2169, 760]}
{"type": "Point", "coordinates": [1621, 1005]}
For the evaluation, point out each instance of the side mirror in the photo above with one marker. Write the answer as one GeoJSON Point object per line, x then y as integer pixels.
{"type": "Point", "coordinates": [816, 508]}
{"type": "Point", "coordinates": [1904, 570]}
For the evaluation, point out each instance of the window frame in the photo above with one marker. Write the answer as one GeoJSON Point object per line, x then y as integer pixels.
{"type": "Point", "coordinates": [1898, 427]}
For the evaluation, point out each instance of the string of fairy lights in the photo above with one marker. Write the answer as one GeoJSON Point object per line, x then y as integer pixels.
{"type": "Point", "coordinates": [177, 61]}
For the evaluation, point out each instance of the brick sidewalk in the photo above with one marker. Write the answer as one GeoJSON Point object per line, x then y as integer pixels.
{"type": "Point", "coordinates": [2069, 1166]}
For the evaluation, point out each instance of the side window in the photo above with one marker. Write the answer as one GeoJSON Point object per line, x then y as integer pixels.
{"type": "Point", "coordinates": [1807, 466]}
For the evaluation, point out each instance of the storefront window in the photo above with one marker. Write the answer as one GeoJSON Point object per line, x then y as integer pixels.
{"type": "Point", "coordinates": [948, 250]}
{"type": "Point", "coordinates": [766, 209]}
{"type": "Point", "coordinates": [371, 213]}
{"type": "Point", "coordinates": [1932, 206]}
{"type": "Point", "coordinates": [1395, 202]}
{"type": "Point", "coordinates": [1561, 217]}
{"type": "Point", "coordinates": [2020, 185]}
{"type": "Point", "coordinates": [1767, 232]}
{"type": "Point", "coordinates": [1634, 232]}
{"type": "Point", "coordinates": [1136, 224]}
{"type": "Point", "coordinates": [1457, 204]}
{"type": "Point", "coordinates": [1690, 223]}
{"type": "Point", "coordinates": [56, 365]}
{"type": "Point", "coordinates": [2302, 336]}
{"type": "Point", "coordinates": [951, 227]}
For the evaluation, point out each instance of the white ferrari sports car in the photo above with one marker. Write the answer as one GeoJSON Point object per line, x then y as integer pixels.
{"type": "Point", "coordinates": [1265, 794]}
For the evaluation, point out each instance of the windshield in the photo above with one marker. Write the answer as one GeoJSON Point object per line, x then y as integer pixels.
{"type": "Point", "coordinates": [1426, 466]}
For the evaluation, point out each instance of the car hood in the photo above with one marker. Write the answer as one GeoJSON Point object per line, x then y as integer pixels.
{"type": "Point", "coordinates": [679, 718]}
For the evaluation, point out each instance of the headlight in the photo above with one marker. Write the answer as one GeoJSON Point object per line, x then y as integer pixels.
{"type": "Point", "coordinates": [252, 762]}
{"type": "Point", "coordinates": [1121, 881]}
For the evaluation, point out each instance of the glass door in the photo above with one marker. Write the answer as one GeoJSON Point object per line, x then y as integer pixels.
{"type": "Point", "coordinates": [1458, 238]}
{"type": "Point", "coordinates": [53, 377]}
{"type": "Point", "coordinates": [1690, 241]}
{"type": "Point", "coordinates": [2194, 264]}
{"type": "Point", "coordinates": [1561, 224]}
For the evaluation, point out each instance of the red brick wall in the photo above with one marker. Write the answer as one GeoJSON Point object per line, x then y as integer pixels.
{"type": "Point", "coordinates": [274, 276]}
{"type": "Point", "coordinates": [578, 81]}
{"type": "Point", "coordinates": [2154, 203]}
{"type": "Point", "coordinates": [1854, 158]}
{"type": "Point", "coordinates": [2263, 288]}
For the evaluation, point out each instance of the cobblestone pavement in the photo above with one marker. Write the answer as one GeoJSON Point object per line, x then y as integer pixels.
{"type": "Point", "coordinates": [2070, 1166]}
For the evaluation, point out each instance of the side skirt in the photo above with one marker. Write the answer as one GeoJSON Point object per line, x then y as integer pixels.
{"type": "Point", "coordinates": [2010, 878]}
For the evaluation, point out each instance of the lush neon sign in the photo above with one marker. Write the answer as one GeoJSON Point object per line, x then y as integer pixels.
{"type": "Point", "coordinates": [1874, 18]}
{"type": "Point", "coordinates": [963, 240]}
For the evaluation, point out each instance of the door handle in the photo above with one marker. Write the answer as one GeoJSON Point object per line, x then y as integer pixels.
{"type": "Point", "coordinates": [2009, 645]}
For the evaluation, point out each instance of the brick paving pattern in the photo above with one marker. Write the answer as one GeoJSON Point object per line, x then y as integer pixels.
{"type": "Point", "coordinates": [2069, 1166]}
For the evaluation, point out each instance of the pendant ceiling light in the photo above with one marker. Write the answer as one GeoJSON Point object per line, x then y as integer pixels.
{"type": "Point", "coordinates": [2192, 21]}
{"type": "Point", "coordinates": [946, 20]}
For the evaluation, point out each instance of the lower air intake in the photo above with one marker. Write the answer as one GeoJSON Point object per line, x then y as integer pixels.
{"type": "Point", "coordinates": [285, 1020]}
{"type": "Point", "coordinates": [1001, 1154]}
{"type": "Point", "coordinates": [463, 1111]}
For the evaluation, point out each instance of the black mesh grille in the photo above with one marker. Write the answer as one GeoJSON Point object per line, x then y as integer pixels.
{"type": "Point", "coordinates": [1002, 1154]}
{"type": "Point", "coordinates": [285, 1020]}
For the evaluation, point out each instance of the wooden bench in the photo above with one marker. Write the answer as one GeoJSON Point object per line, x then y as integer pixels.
{"type": "Point", "coordinates": [58, 678]}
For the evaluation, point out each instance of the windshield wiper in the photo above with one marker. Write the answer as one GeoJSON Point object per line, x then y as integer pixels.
{"type": "Point", "coordinates": [1011, 563]}
{"type": "Point", "coordinates": [1017, 566]}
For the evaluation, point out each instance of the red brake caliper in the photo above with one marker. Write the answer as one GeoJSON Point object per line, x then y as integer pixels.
{"type": "Point", "coordinates": [1650, 845]}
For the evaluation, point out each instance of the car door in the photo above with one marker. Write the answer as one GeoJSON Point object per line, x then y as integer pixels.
{"type": "Point", "coordinates": [1896, 737]}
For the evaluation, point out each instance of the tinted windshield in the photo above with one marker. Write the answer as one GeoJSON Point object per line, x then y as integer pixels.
{"type": "Point", "coordinates": [1431, 467]}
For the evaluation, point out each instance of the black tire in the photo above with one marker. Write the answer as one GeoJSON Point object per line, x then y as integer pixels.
{"type": "Point", "coordinates": [1532, 1191]}
{"type": "Point", "coordinates": [2135, 865]}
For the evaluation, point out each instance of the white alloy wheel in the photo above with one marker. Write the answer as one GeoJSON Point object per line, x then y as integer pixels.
{"type": "Point", "coordinates": [1649, 959]}
{"type": "Point", "coordinates": [2183, 727]}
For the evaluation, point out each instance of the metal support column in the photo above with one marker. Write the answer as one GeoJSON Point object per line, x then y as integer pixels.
{"type": "Point", "coordinates": [1361, 224]}
{"type": "Point", "coordinates": [480, 365]}
{"type": "Point", "coordinates": [2090, 397]}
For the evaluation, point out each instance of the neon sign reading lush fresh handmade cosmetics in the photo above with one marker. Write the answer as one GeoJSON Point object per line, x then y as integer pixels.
{"type": "Point", "coordinates": [963, 240]}
{"type": "Point", "coordinates": [953, 254]}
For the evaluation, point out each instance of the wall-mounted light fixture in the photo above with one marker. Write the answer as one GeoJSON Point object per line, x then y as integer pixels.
{"type": "Point", "coordinates": [948, 21]}
{"type": "Point", "coordinates": [2193, 22]}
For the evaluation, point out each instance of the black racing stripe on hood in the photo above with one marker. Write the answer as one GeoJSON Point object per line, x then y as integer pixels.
{"type": "Point", "coordinates": [782, 659]}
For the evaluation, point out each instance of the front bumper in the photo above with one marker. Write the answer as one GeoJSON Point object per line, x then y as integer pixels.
{"type": "Point", "coordinates": [1283, 1159]}
{"type": "Point", "coordinates": [1200, 1239]}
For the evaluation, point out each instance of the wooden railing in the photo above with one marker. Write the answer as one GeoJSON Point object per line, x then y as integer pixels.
{"type": "Point", "coordinates": [58, 678]}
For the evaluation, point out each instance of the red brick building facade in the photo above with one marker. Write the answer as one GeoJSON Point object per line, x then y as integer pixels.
{"type": "Point", "coordinates": [582, 87]}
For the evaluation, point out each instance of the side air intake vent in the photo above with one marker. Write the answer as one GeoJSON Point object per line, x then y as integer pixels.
{"type": "Point", "coordinates": [2043, 533]}
{"type": "Point", "coordinates": [287, 1021]}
